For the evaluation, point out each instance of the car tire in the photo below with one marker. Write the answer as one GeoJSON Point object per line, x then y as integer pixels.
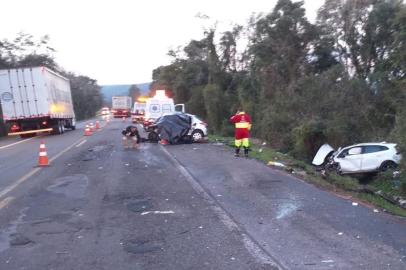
{"type": "Point", "coordinates": [153, 136]}
{"type": "Point", "coordinates": [197, 135]}
{"type": "Point", "coordinates": [386, 165]}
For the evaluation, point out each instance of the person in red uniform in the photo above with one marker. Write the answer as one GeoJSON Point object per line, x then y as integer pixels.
{"type": "Point", "coordinates": [242, 122]}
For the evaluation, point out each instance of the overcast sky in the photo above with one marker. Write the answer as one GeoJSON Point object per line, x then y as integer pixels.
{"type": "Point", "coordinates": [122, 41]}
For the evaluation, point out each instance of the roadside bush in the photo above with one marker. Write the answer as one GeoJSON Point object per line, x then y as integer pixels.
{"type": "Point", "coordinates": [227, 129]}
{"type": "Point", "coordinates": [307, 139]}
{"type": "Point", "coordinates": [213, 98]}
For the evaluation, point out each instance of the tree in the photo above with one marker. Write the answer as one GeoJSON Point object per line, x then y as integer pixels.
{"type": "Point", "coordinates": [86, 95]}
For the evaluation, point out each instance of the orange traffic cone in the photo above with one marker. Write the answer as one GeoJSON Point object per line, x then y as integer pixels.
{"type": "Point", "coordinates": [97, 125]}
{"type": "Point", "coordinates": [43, 158]}
{"type": "Point", "coordinates": [88, 132]}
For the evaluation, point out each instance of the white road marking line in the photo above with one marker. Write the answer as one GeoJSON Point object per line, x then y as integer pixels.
{"type": "Point", "coordinates": [18, 182]}
{"type": "Point", "coordinates": [8, 189]}
{"type": "Point", "coordinates": [252, 246]}
{"type": "Point", "coordinates": [157, 212]}
{"type": "Point", "coordinates": [81, 143]}
{"type": "Point", "coordinates": [6, 201]}
{"type": "Point", "coordinates": [9, 145]}
{"type": "Point", "coordinates": [64, 151]}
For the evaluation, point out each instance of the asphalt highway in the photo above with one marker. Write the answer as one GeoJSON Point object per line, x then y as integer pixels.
{"type": "Point", "coordinates": [99, 206]}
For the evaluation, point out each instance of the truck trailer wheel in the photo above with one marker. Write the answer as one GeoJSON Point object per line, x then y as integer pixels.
{"type": "Point", "coordinates": [57, 128]}
{"type": "Point", "coordinates": [73, 124]}
{"type": "Point", "coordinates": [62, 127]}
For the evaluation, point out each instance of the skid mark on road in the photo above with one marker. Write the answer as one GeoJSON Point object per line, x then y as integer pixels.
{"type": "Point", "coordinates": [252, 246]}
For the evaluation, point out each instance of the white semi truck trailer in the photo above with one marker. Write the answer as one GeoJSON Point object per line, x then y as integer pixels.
{"type": "Point", "coordinates": [35, 100]}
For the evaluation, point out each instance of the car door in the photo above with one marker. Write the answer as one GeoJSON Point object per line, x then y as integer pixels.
{"type": "Point", "coordinates": [350, 159]}
{"type": "Point", "coordinates": [373, 156]}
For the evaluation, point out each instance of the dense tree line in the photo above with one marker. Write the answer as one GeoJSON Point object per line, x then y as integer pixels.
{"type": "Point", "coordinates": [27, 51]}
{"type": "Point", "coordinates": [339, 80]}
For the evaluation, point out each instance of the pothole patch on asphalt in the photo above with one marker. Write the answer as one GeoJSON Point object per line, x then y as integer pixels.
{"type": "Point", "coordinates": [10, 235]}
{"type": "Point", "coordinates": [99, 148]}
{"type": "Point", "coordinates": [73, 186]}
{"type": "Point", "coordinates": [121, 197]}
{"type": "Point", "coordinates": [97, 152]}
{"type": "Point", "coordinates": [141, 246]}
{"type": "Point", "coordinates": [17, 239]}
{"type": "Point", "coordinates": [139, 206]}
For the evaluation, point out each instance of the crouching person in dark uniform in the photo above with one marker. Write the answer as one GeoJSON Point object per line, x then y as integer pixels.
{"type": "Point", "coordinates": [131, 134]}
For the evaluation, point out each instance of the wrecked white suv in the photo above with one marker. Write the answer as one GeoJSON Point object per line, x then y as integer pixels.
{"type": "Point", "coordinates": [359, 158]}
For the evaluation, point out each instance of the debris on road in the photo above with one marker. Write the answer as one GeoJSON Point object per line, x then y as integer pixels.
{"type": "Point", "coordinates": [276, 164]}
{"type": "Point", "coordinates": [354, 203]}
{"type": "Point", "coordinates": [157, 212]}
{"type": "Point", "coordinates": [340, 233]}
{"type": "Point", "coordinates": [327, 261]}
{"type": "Point", "coordinates": [376, 211]}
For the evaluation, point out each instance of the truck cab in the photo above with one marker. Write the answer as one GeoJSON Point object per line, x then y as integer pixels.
{"type": "Point", "coordinates": [138, 112]}
{"type": "Point", "coordinates": [121, 106]}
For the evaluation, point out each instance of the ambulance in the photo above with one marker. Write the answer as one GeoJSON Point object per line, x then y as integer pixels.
{"type": "Point", "coordinates": [160, 105]}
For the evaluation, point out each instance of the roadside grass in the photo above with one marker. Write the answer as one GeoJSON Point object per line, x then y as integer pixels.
{"type": "Point", "coordinates": [349, 186]}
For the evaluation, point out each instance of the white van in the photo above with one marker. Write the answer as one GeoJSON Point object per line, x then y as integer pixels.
{"type": "Point", "coordinates": [160, 105]}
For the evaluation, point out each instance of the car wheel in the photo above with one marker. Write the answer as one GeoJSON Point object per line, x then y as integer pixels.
{"type": "Point", "coordinates": [197, 135]}
{"type": "Point", "coordinates": [153, 137]}
{"type": "Point", "coordinates": [338, 169]}
{"type": "Point", "coordinates": [387, 165]}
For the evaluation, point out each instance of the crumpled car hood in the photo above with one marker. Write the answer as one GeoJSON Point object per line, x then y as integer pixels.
{"type": "Point", "coordinates": [321, 155]}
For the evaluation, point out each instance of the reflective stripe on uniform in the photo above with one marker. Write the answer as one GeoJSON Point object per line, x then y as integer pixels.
{"type": "Point", "coordinates": [242, 125]}
{"type": "Point", "coordinates": [243, 142]}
